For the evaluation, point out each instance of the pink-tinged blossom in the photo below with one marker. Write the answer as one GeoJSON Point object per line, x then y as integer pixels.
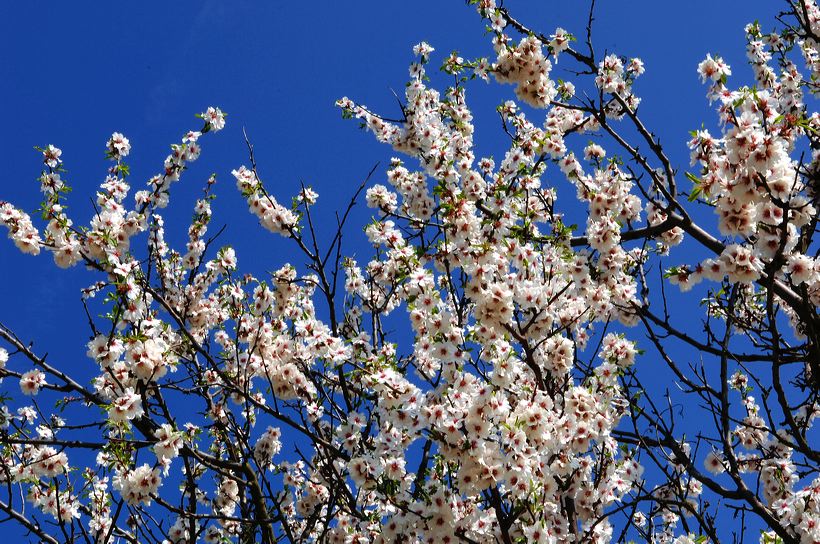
{"type": "Point", "coordinates": [423, 50]}
{"type": "Point", "coordinates": [21, 230]}
{"type": "Point", "coordinates": [713, 69]}
{"type": "Point", "coordinates": [714, 463]}
{"type": "Point", "coordinates": [51, 156]}
{"type": "Point", "coordinates": [118, 146]}
{"type": "Point", "coordinates": [526, 67]}
{"type": "Point", "coordinates": [125, 407]}
{"type": "Point", "coordinates": [267, 447]}
{"type": "Point", "coordinates": [559, 42]}
{"type": "Point", "coordinates": [215, 118]}
{"type": "Point", "coordinates": [137, 485]}
{"type": "Point", "coordinates": [31, 382]}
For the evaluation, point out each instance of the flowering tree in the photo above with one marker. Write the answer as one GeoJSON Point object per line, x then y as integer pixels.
{"type": "Point", "coordinates": [234, 408]}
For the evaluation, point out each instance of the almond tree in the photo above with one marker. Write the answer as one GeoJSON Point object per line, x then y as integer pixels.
{"type": "Point", "coordinates": [233, 408]}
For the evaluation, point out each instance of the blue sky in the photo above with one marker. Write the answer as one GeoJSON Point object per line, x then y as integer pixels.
{"type": "Point", "coordinates": [73, 73]}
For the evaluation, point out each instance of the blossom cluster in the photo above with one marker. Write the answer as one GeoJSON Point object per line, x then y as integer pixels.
{"type": "Point", "coordinates": [515, 412]}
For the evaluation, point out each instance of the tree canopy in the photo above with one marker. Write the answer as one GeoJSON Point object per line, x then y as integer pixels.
{"type": "Point", "coordinates": [489, 371]}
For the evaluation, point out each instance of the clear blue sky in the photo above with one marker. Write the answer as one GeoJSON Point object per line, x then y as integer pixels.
{"type": "Point", "coordinates": [72, 73]}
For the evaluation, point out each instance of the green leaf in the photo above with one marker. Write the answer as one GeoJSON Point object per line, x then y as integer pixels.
{"type": "Point", "coordinates": [696, 191]}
